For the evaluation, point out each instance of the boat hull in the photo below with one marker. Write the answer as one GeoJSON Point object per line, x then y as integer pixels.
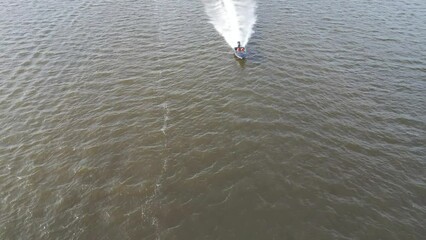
{"type": "Point", "coordinates": [240, 54]}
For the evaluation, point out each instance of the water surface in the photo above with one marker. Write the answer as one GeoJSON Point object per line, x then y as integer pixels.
{"type": "Point", "coordinates": [132, 120]}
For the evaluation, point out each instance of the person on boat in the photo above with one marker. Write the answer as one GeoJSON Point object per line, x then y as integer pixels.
{"type": "Point", "coordinates": [239, 47]}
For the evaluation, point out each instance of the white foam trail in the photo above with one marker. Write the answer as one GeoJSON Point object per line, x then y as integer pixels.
{"type": "Point", "coordinates": [233, 19]}
{"type": "Point", "coordinates": [166, 117]}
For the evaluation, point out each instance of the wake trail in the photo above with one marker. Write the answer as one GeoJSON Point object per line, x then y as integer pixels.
{"type": "Point", "coordinates": [233, 19]}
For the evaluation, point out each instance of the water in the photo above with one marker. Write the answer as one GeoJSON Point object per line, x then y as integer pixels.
{"type": "Point", "coordinates": [132, 120]}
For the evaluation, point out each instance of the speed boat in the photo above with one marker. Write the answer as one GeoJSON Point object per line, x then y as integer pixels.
{"type": "Point", "coordinates": [240, 52]}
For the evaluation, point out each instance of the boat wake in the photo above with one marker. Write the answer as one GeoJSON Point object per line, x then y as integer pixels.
{"type": "Point", "coordinates": [233, 19]}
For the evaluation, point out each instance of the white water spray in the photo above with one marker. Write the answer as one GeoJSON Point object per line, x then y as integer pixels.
{"type": "Point", "coordinates": [233, 19]}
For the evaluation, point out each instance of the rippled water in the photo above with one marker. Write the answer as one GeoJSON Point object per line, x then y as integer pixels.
{"type": "Point", "coordinates": [132, 120]}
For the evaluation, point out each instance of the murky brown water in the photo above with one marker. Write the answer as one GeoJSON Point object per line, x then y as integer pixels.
{"type": "Point", "coordinates": [132, 120]}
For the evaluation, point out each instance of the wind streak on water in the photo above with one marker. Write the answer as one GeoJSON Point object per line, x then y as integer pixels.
{"type": "Point", "coordinates": [151, 206]}
{"type": "Point", "coordinates": [233, 19]}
